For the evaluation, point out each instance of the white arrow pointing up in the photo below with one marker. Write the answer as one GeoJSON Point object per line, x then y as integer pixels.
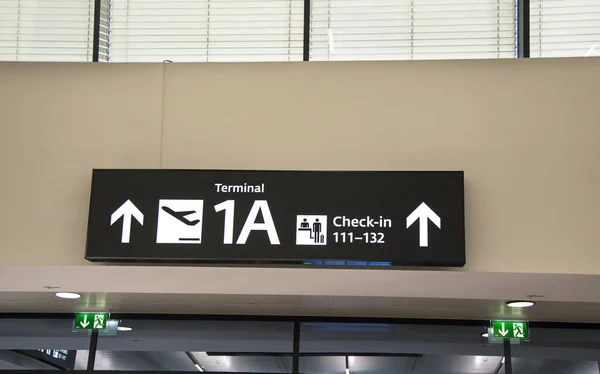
{"type": "Point", "coordinates": [423, 213]}
{"type": "Point", "coordinates": [127, 210]}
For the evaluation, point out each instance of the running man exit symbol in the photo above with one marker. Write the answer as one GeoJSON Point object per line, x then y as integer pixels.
{"type": "Point", "coordinates": [311, 230]}
{"type": "Point", "coordinates": [518, 330]}
{"type": "Point", "coordinates": [179, 221]}
{"type": "Point", "coordinates": [99, 321]}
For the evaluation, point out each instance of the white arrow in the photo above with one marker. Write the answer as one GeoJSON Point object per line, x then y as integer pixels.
{"type": "Point", "coordinates": [127, 210]}
{"type": "Point", "coordinates": [503, 332]}
{"type": "Point", "coordinates": [85, 322]}
{"type": "Point", "coordinates": [423, 213]}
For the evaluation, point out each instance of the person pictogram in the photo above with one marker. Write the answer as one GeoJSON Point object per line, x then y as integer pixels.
{"type": "Point", "coordinates": [316, 230]}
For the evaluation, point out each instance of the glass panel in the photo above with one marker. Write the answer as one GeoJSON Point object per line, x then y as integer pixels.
{"type": "Point", "coordinates": [442, 349]}
{"type": "Point", "coordinates": [40, 344]}
{"type": "Point", "coordinates": [412, 29]}
{"type": "Point", "coordinates": [549, 366]}
{"type": "Point", "coordinates": [205, 30]}
{"type": "Point", "coordinates": [46, 30]}
{"type": "Point", "coordinates": [417, 364]}
{"type": "Point", "coordinates": [216, 346]}
{"type": "Point", "coordinates": [388, 348]}
{"type": "Point", "coordinates": [565, 28]}
{"type": "Point", "coordinates": [558, 351]}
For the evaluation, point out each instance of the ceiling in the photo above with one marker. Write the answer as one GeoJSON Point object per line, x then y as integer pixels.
{"type": "Point", "coordinates": [301, 281]}
{"type": "Point", "coordinates": [281, 305]}
{"type": "Point", "coordinates": [269, 291]}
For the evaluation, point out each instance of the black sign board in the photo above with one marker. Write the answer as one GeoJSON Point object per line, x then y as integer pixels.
{"type": "Point", "coordinates": [226, 216]}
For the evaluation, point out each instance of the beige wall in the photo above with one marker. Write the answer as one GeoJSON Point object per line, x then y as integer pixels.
{"type": "Point", "coordinates": [526, 133]}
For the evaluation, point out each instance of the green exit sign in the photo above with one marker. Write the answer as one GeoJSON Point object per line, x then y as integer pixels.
{"type": "Point", "coordinates": [91, 321]}
{"type": "Point", "coordinates": [511, 329]}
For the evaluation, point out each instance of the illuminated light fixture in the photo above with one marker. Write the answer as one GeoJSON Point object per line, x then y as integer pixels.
{"type": "Point", "coordinates": [124, 328]}
{"type": "Point", "coordinates": [520, 304]}
{"type": "Point", "coordinates": [194, 361]}
{"type": "Point", "coordinates": [484, 334]}
{"type": "Point", "coordinates": [67, 295]}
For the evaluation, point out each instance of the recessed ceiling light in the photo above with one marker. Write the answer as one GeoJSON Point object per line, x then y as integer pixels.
{"type": "Point", "coordinates": [484, 334]}
{"type": "Point", "coordinates": [67, 295]}
{"type": "Point", "coordinates": [520, 304]}
{"type": "Point", "coordinates": [124, 328]}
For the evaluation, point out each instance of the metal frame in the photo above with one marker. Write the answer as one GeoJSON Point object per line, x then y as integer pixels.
{"type": "Point", "coordinates": [92, 350]}
{"type": "Point", "coordinates": [296, 353]}
{"type": "Point", "coordinates": [523, 29]}
{"type": "Point", "coordinates": [507, 357]}
{"type": "Point", "coordinates": [96, 43]}
{"type": "Point", "coordinates": [306, 38]}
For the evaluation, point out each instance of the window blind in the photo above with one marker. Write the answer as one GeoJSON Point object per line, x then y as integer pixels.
{"type": "Point", "coordinates": [565, 28]}
{"type": "Point", "coordinates": [205, 30]}
{"type": "Point", "coordinates": [46, 30]}
{"type": "Point", "coordinates": [412, 29]}
{"type": "Point", "coordinates": [104, 29]}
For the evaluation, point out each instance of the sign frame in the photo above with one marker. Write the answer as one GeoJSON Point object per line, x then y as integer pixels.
{"type": "Point", "coordinates": [445, 188]}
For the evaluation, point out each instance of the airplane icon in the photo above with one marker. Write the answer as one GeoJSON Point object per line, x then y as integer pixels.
{"type": "Point", "coordinates": [181, 215]}
{"type": "Point", "coordinates": [179, 221]}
